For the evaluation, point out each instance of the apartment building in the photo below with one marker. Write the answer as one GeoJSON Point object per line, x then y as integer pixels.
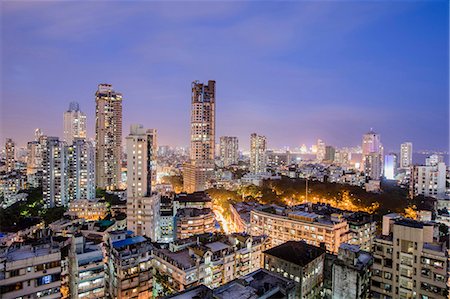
{"type": "Point", "coordinates": [108, 137]}
{"type": "Point", "coordinates": [86, 268]}
{"type": "Point", "coordinates": [229, 150]}
{"type": "Point", "coordinates": [351, 273]}
{"type": "Point", "coordinates": [258, 284]}
{"type": "Point", "coordinates": [88, 209]}
{"type": "Point", "coordinates": [282, 225]}
{"type": "Point", "coordinates": [199, 169]}
{"type": "Point", "coordinates": [143, 216]}
{"type": "Point", "coordinates": [300, 262]}
{"type": "Point", "coordinates": [196, 200]}
{"type": "Point", "coordinates": [128, 271]}
{"type": "Point", "coordinates": [31, 271]}
{"type": "Point", "coordinates": [191, 221]}
{"type": "Point", "coordinates": [428, 180]}
{"type": "Point", "coordinates": [362, 230]}
{"type": "Point", "coordinates": [408, 261]}
{"type": "Point", "coordinates": [211, 260]}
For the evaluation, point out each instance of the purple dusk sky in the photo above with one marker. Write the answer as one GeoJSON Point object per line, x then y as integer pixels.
{"type": "Point", "coordinates": [293, 71]}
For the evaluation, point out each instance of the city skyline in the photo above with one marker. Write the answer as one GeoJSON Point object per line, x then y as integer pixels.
{"type": "Point", "coordinates": [275, 82]}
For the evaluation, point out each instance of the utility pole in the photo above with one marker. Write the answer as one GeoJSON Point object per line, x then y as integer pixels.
{"type": "Point", "coordinates": [306, 190]}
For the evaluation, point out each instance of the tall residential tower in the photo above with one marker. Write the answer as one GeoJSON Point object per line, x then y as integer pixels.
{"type": "Point", "coordinates": [406, 149]}
{"type": "Point", "coordinates": [258, 159]}
{"type": "Point", "coordinates": [229, 150]}
{"type": "Point", "coordinates": [10, 155]}
{"type": "Point", "coordinates": [108, 136]}
{"type": "Point", "coordinates": [142, 205]}
{"type": "Point", "coordinates": [372, 155]}
{"type": "Point", "coordinates": [203, 132]}
{"type": "Point", "coordinates": [74, 123]}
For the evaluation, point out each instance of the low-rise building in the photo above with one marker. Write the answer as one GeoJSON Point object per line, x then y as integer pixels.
{"type": "Point", "coordinates": [88, 209]}
{"type": "Point", "coordinates": [128, 271]}
{"type": "Point", "coordinates": [211, 260]}
{"type": "Point", "coordinates": [362, 229]}
{"type": "Point", "coordinates": [191, 221]}
{"type": "Point", "coordinates": [351, 273]}
{"type": "Point", "coordinates": [283, 224]}
{"type": "Point", "coordinates": [258, 284]}
{"type": "Point", "coordinates": [166, 220]}
{"type": "Point", "coordinates": [31, 271]}
{"type": "Point", "coordinates": [300, 262]}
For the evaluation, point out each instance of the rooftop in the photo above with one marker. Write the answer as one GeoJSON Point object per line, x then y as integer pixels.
{"type": "Point", "coordinates": [128, 241]}
{"type": "Point", "coordinates": [410, 223]}
{"type": "Point", "coordinates": [29, 251]}
{"type": "Point", "coordinates": [199, 196]}
{"type": "Point", "coordinates": [192, 212]}
{"type": "Point", "coordinates": [254, 285]}
{"type": "Point", "coordinates": [181, 258]}
{"type": "Point", "coordinates": [217, 246]}
{"type": "Point", "coordinates": [296, 252]}
{"type": "Point", "coordinates": [197, 292]}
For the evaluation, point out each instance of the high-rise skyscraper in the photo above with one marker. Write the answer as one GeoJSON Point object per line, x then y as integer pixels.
{"type": "Point", "coordinates": [203, 131]}
{"type": "Point", "coordinates": [81, 170]}
{"type": "Point", "coordinates": [320, 154]}
{"type": "Point", "coordinates": [10, 155]}
{"type": "Point", "coordinates": [229, 150]}
{"type": "Point", "coordinates": [390, 166]}
{"type": "Point", "coordinates": [55, 178]}
{"type": "Point", "coordinates": [108, 137]}
{"type": "Point", "coordinates": [372, 155]}
{"type": "Point", "coordinates": [330, 154]}
{"type": "Point", "coordinates": [406, 155]}
{"type": "Point", "coordinates": [141, 151]}
{"type": "Point", "coordinates": [34, 157]}
{"type": "Point", "coordinates": [74, 123]}
{"type": "Point", "coordinates": [258, 159]}
{"type": "Point", "coordinates": [143, 205]}
{"type": "Point", "coordinates": [37, 134]}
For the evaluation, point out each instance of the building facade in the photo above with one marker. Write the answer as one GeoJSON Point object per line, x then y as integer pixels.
{"type": "Point", "coordinates": [209, 260]}
{"type": "Point", "coordinates": [229, 150]}
{"type": "Point", "coordinates": [428, 180]}
{"type": "Point", "coordinates": [74, 123]}
{"type": "Point", "coordinates": [372, 155]}
{"type": "Point", "coordinates": [300, 262]}
{"type": "Point", "coordinates": [390, 166]}
{"type": "Point", "coordinates": [55, 181]}
{"type": "Point", "coordinates": [203, 131]}
{"type": "Point", "coordinates": [143, 206]}
{"type": "Point", "coordinates": [320, 150]}
{"type": "Point", "coordinates": [108, 137]}
{"type": "Point", "coordinates": [86, 269]}
{"type": "Point", "coordinates": [31, 271]}
{"type": "Point", "coordinates": [81, 170]}
{"type": "Point", "coordinates": [258, 158]}
{"type": "Point", "coordinates": [128, 270]}
{"type": "Point", "coordinates": [284, 226]}
{"type": "Point", "coordinates": [351, 273]}
{"type": "Point", "coordinates": [191, 221]}
{"type": "Point", "coordinates": [406, 151]}
{"type": "Point", "coordinates": [10, 153]}
{"type": "Point", "coordinates": [408, 261]}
